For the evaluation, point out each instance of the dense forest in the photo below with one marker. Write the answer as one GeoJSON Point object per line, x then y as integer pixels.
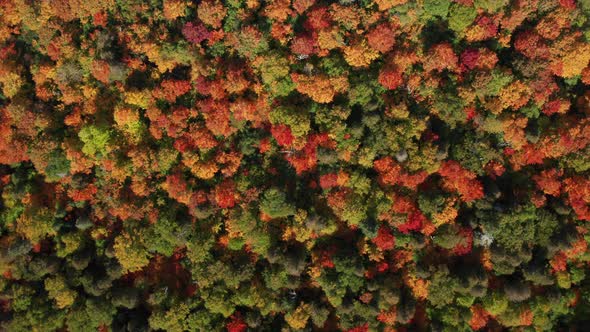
{"type": "Point", "coordinates": [294, 165]}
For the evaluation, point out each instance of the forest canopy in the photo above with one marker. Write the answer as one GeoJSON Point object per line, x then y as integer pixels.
{"type": "Point", "coordinates": [294, 165]}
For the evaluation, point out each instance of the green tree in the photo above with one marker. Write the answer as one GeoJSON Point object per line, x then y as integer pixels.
{"type": "Point", "coordinates": [274, 204]}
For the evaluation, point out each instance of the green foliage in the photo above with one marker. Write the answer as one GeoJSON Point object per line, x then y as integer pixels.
{"type": "Point", "coordinates": [274, 204]}
{"type": "Point", "coordinates": [441, 288]}
{"type": "Point", "coordinates": [460, 17]}
{"type": "Point", "coordinates": [436, 7]}
{"type": "Point", "coordinates": [96, 140]}
{"type": "Point", "coordinates": [58, 166]}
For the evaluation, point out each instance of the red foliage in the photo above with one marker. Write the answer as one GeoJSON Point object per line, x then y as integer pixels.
{"type": "Point", "coordinates": [325, 257]}
{"type": "Point", "coordinates": [85, 194]}
{"type": "Point", "coordinates": [473, 58]}
{"type": "Point", "coordinates": [384, 239]}
{"type": "Point", "coordinates": [531, 45]}
{"type": "Point", "coordinates": [318, 18]}
{"type": "Point", "coordinates": [456, 178]}
{"type": "Point", "coordinates": [225, 194]}
{"type": "Point", "coordinates": [559, 262]}
{"type": "Point", "coordinates": [465, 247]}
{"type": "Point", "coordinates": [305, 159]}
{"type": "Point", "coordinates": [304, 44]}
{"type": "Point", "coordinates": [236, 323]}
{"type": "Point", "coordinates": [568, 4]}
{"type": "Point", "coordinates": [556, 106]}
{"type": "Point", "coordinates": [172, 89]}
{"type": "Point", "coordinates": [469, 58]}
{"type": "Point", "coordinates": [390, 78]}
{"type": "Point", "coordinates": [414, 222]}
{"type": "Point", "coordinates": [490, 27]}
{"type": "Point", "coordinates": [282, 134]}
{"type": "Point", "coordinates": [328, 181]}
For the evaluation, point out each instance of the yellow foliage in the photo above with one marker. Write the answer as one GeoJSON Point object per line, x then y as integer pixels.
{"type": "Point", "coordinates": [329, 39]}
{"type": "Point", "coordinates": [563, 280]}
{"type": "Point", "coordinates": [201, 169]}
{"type": "Point", "coordinates": [298, 318]}
{"type": "Point", "coordinates": [11, 84]}
{"type": "Point", "coordinates": [131, 256]}
{"type": "Point", "coordinates": [141, 99]}
{"type": "Point", "coordinates": [575, 61]}
{"type": "Point", "coordinates": [398, 111]}
{"type": "Point", "coordinates": [515, 95]}
{"type": "Point", "coordinates": [57, 289]}
{"type": "Point", "coordinates": [360, 54]}
{"type": "Point", "coordinates": [174, 9]}
{"type": "Point", "coordinates": [35, 226]}
{"type": "Point", "coordinates": [211, 13]}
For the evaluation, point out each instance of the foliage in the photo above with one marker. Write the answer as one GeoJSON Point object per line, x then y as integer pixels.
{"type": "Point", "coordinates": [370, 165]}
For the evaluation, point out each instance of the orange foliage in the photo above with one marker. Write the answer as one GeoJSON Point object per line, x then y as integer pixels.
{"type": "Point", "coordinates": [387, 316]}
{"type": "Point", "coordinates": [549, 182]}
{"type": "Point", "coordinates": [515, 95]}
{"type": "Point", "coordinates": [578, 190]}
{"type": "Point", "coordinates": [11, 150]}
{"type": "Point", "coordinates": [390, 78]}
{"type": "Point", "coordinates": [456, 178]}
{"type": "Point", "coordinates": [101, 71]}
{"type": "Point", "coordinates": [559, 262]}
{"type": "Point", "coordinates": [441, 57]}
{"type": "Point", "coordinates": [321, 89]}
{"type": "Point", "coordinates": [172, 89]}
{"type": "Point", "coordinates": [387, 4]}
{"type": "Point", "coordinates": [381, 38]}
{"type": "Point", "coordinates": [418, 286]}
{"type": "Point", "coordinates": [217, 116]}
{"type": "Point", "coordinates": [513, 128]}
{"type": "Point", "coordinates": [479, 317]}
{"type": "Point", "coordinates": [230, 161]}
{"type": "Point", "coordinates": [302, 5]}
{"type": "Point", "coordinates": [278, 10]}
{"type": "Point", "coordinates": [391, 173]}
{"type": "Point", "coordinates": [526, 317]}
